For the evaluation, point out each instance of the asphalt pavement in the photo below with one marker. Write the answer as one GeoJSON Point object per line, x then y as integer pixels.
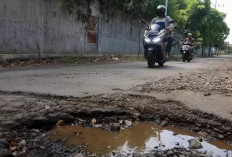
{"type": "Point", "coordinates": [85, 80]}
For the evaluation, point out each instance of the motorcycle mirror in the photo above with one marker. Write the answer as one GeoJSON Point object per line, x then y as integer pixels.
{"type": "Point", "coordinates": [147, 28]}
{"type": "Point", "coordinates": [143, 21]}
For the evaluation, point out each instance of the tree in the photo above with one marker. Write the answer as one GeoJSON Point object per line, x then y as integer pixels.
{"type": "Point", "coordinates": [217, 29]}
{"type": "Point", "coordinates": [209, 24]}
{"type": "Point", "coordinates": [137, 7]}
{"type": "Point", "coordinates": [151, 8]}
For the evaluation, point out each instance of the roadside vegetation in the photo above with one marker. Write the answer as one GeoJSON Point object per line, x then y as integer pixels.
{"type": "Point", "coordinates": [196, 16]}
{"type": "Point", "coordinates": [12, 63]}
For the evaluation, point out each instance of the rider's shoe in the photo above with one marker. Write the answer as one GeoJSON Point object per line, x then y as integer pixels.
{"type": "Point", "coordinates": [166, 57]}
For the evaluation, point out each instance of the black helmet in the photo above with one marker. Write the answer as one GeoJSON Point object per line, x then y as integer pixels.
{"type": "Point", "coordinates": [161, 10]}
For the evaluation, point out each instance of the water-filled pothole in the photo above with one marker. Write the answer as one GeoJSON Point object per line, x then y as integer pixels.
{"type": "Point", "coordinates": [141, 137]}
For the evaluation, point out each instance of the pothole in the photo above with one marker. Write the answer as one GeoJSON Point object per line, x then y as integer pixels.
{"type": "Point", "coordinates": [30, 129]}
{"type": "Point", "coordinates": [141, 137]}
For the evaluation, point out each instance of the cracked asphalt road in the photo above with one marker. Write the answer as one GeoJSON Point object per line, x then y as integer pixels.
{"type": "Point", "coordinates": [85, 80]}
{"type": "Point", "coordinates": [171, 95]}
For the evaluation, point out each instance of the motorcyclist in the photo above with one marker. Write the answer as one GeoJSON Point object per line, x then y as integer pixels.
{"type": "Point", "coordinates": [164, 22]}
{"type": "Point", "coordinates": [189, 40]}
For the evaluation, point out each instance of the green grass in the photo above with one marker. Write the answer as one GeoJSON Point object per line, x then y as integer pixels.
{"type": "Point", "coordinates": [70, 59]}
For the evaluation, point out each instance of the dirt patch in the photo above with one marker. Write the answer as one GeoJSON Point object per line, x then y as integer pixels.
{"type": "Point", "coordinates": [218, 105]}
{"type": "Point", "coordinates": [208, 90]}
{"type": "Point", "coordinates": [15, 63]}
{"type": "Point", "coordinates": [35, 115]}
{"type": "Point", "coordinates": [215, 82]}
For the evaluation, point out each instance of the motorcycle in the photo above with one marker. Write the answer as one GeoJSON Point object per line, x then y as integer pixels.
{"type": "Point", "coordinates": [186, 50]}
{"type": "Point", "coordinates": [154, 45]}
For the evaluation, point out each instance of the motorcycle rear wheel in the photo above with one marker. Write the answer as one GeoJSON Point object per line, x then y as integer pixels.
{"type": "Point", "coordinates": [161, 64]}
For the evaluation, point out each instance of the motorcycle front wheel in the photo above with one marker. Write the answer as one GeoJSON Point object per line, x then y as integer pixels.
{"type": "Point", "coordinates": [184, 57]}
{"type": "Point", "coordinates": [150, 59]}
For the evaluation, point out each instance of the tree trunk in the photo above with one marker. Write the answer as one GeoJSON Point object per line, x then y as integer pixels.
{"type": "Point", "coordinates": [202, 50]}
{"type": "Point", "coordinates": [209, 53]}
{"type": "Point", "coordinates": [139, 38]}
{"type": "Point", "coordinates": [217, 51]}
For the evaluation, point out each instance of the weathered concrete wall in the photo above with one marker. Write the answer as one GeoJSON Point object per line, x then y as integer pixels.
{"type": "Point", "coordinates": [41, 28]}
{"type": "Point", "coordinates": [120, 35]}
{"type": "Point", "coordinates": [19, 28]}
{"type": "Point", "coordinates": [38, 28]}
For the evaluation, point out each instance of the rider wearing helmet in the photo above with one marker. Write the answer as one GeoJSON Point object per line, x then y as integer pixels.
{"type": "Point", "coordinates": [164, 22]}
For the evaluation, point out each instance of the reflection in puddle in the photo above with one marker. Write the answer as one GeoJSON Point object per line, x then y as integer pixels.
{"type": "Point", "coordinates": [141, 137]}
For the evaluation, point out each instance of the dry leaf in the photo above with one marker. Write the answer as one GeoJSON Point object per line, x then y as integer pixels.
{"type": "Point", "coordinates": [60, 123]}
{"type": "Point", "coordinates": [13, 146]}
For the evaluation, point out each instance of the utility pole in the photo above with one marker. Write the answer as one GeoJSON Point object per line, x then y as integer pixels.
{"type": "Point", "coordinates": [215, 4]}
{"type": "Point", "coordinates": [218, 4]}
{"type": "Point", "coordinates": [166, 5]}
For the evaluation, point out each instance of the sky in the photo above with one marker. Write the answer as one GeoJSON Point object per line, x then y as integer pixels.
{"type": "Point", "coordinates": [226, 7]}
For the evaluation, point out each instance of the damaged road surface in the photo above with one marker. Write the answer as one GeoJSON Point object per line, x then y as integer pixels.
{"type": "Point", "coordinates": [85, 80]}
{"type": "Point", "coordinates": [124, 109]}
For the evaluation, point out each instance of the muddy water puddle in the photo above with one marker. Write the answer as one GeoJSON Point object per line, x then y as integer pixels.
{"type": "Point", "coordinates": [141, 137]}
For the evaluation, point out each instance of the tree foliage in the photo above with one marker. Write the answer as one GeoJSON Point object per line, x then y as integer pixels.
{"type": "Point", "coordinates": [196, 16]}
{"type": "Point", "coordinates": [208, 24]}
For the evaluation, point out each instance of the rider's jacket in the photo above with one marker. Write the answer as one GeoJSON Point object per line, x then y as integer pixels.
{"type": "Point", "coordinates": [188, 40]}
{"type": "Point", "coordinates": [163, 22]}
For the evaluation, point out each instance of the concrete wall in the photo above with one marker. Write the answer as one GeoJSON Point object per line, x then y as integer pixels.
{"type": "Point", "coordinates": [38, 28]}
{"type": "Point", "coordinates": [120, 35]}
